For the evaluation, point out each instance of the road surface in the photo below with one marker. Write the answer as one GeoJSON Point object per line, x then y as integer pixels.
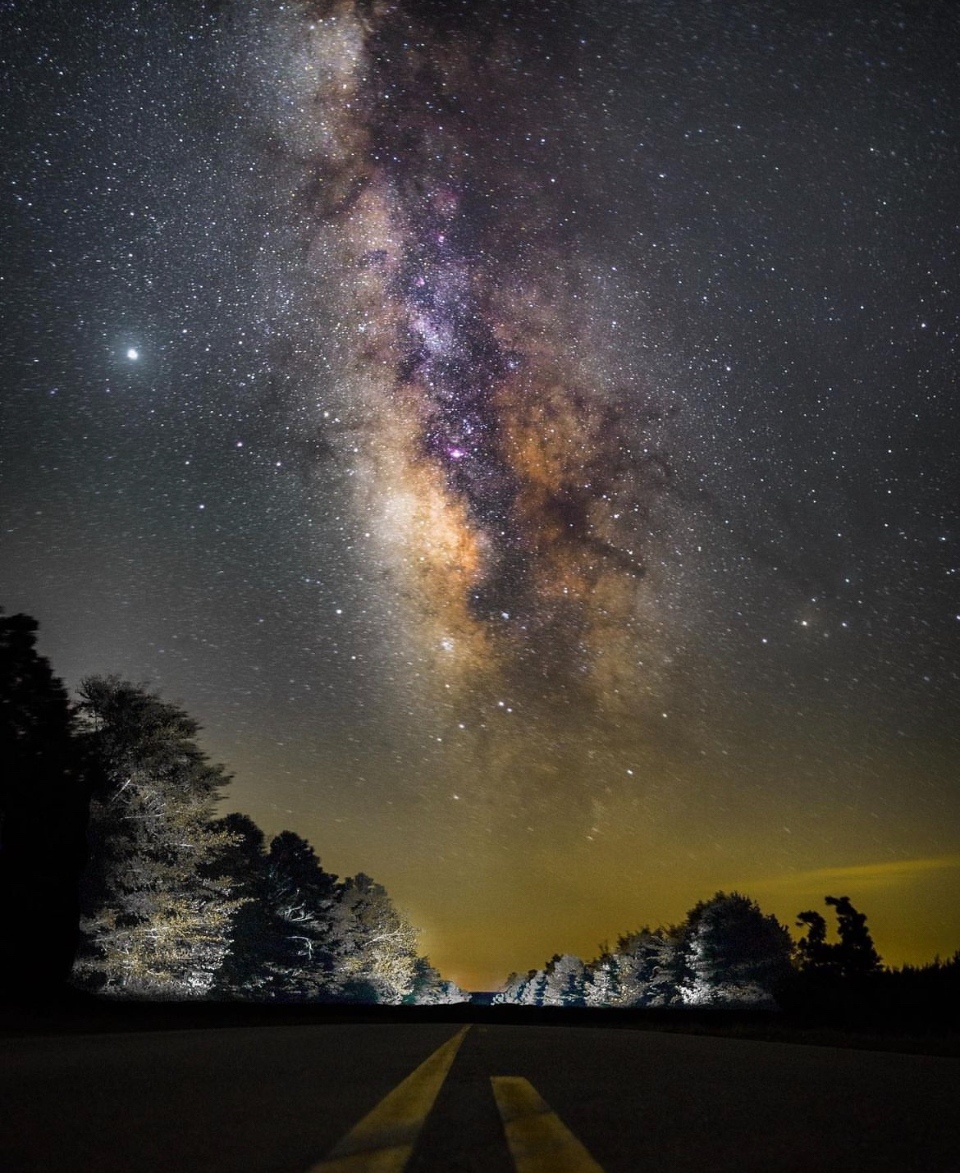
{"type": "Point", "coordinates": [495, 1099]}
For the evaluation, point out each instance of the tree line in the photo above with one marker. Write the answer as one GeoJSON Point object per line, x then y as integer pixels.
{"type": "Point", "coordinates": [117, 876]}
{"type": "Point", "coordinates": [728, 953]}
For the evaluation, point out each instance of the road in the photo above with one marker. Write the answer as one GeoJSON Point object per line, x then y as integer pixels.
{"type": "Point", "coordinates": [281, 1099]}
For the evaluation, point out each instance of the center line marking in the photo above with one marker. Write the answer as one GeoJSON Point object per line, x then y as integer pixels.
{"type": "Point", "coordinates": [383, 1140]}
{"type": "Point", "coordinates": [539, 1140]}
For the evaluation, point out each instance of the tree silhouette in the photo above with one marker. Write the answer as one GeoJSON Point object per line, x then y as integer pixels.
{"type": "Point", "coordinates": [43, 811]}
{"type": "Point", "coordinates": [853, 956]}
{"type": "Point", "coordinates": [856, 953]}
{"type": "Point", "coordinates": [813, 951]}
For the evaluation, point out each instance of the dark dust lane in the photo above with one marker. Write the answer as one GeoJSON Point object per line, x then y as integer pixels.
{"type": "Point", "coordinates": [281, 1100]}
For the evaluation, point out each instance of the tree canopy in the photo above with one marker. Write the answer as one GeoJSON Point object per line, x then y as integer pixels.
{"type": "Point", "coordinates": [43, 810]}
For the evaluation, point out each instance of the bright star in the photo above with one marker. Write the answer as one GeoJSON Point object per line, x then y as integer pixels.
{"type": "Point", "coordinates": [133, 354]}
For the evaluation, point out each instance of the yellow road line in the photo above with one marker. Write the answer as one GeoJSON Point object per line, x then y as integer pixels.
{"type": "Point", "coordinates": [383, 1140]}
{"type": "Point", "coordinates": [539, 1140]}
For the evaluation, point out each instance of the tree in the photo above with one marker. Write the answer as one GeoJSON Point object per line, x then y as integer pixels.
{"type": "Point", "coordinates": [287, 940]}
{"type": "Point", "coordinates": [514, 990]}
{"type": "Point", "coordinates": [564, 981]}
{"type": "Point", "coordinates": [379, 958]}
{"type": "Point", "coordinates": [156, 914]}
{"type": "Point", "coordinates": [813, 951]}
{"type": "Point", "coordinates": [853, 956]}
{"type": "Point", "coordinates": [536, 988]}
{"type": "Point", "coordinates": [732, 953]}
{"type": "Point", "coordinates": [602, 986]}
{"type": "Point", "coordinates": [245, 970]}
{"type": "Point", "coordinates": [430, 989]}
{"type": "Point", "coordinates": [856, 953]}
{"type": "Point", "coordinates": [648, 963]}
{"type": "Point", "coordinates": [299, 934]}
{"type": "Point", "coordinates": [44, 800]}
{"type": "Point", "coordinates": [303, 943]}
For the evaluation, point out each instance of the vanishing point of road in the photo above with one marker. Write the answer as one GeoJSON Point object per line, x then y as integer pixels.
{"type": "Point", "coordinates": [439, 1098]}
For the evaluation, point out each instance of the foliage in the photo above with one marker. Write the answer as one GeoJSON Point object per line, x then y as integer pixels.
{"type": "Point", "coordinates": [180, 904]}
{"type": "Point", "coordinates": [430, 989]}
{"type": "Point", "coordinates": [282, 944]}
{"type": "Point", "coordinates": [563, 982]}
{"type": "Point", "coordinates": [732, 954]}
{"type": "Point", "coordinates": [43, 814]}
{"type": "Point", "coordinates": [727, 952]}
{"type": "Point", "coordinates": [648, 964]}
{"type": "Point", "coordinates": [156, 916]}
{"type": "Point", "coordinates": [378, 945]}
{"type": "Point", "coordinates": [852, 956]}
{"type": "Point", "coordinates": [299, 934]}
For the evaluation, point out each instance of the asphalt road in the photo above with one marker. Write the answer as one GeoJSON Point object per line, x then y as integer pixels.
{"type": "Point", "coordinates": [279, 1099]}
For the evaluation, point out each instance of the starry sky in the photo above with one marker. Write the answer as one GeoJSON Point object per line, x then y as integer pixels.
{"type": "Point", "coordinates": [523, 435]}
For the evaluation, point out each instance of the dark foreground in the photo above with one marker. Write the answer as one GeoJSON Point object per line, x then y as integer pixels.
{"type": "Point", "coordinates": [278, 1098]}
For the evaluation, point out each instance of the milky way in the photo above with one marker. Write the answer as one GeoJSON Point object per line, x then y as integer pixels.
{"type": "Point", "coordinates": [535, 469]}
{"type": "Point", "coordinates": [510, 462]}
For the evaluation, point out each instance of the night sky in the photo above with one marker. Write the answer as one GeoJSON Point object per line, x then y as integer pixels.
{"type": "Point", "coordinates": [524, 435]}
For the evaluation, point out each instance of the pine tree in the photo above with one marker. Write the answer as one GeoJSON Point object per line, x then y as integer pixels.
{"type": "Point", "coordinates": [732, 953]}
{"type": "Point", "coordinates": [300, 935]}
{"type": "Point", "coordinates": [156, 915]}
{"type": "Point", "coordinates": [303, 944]}
{"type": "Point", "coordinates": [245, 971]}
{"type": "Point", "coordinates": [856, 954]}
{"type": "Point", "coordinates": [853, 956]}
{"type": "Point", "coordinates": [535, 990]}
{"type": "Point", "coordinates": [602, 985]}
{"type": "Point", "coordinates": [648, 965]}
{"type": "Point", "coordinates": [813, 951]}
{"type": "Point", "coordinates": [563, 981]}
{"type": "Point", "coordinates": [430, 989]}
{"type": "Point", "coordinates": [44, 799]}
{"type": "Point", "coordinates": [513, 992]}
{"type": "Point", "coordinates": [378, 956]}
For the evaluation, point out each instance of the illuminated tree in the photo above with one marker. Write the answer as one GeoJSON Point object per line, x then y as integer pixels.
{"type": "Point", "coordinates": [732, 953]}
{"type": "Point", "coordinates": [602, 985]}
{"type": "Point", "coordinates": [564, 981]}
{"type": "Point", "coordinates": [430, 989]}
{"type": "Point", "coordinates": [300, 935]}
{"type": "Point", "coordinates": [281, 934]}
{"type": "Point", "coordinates": [648, 967]}
{"type": "Point", "coordinates": [536, 988]}
{"type": "Point", "coordinates": [377, 956]}
{"type": "Point", "coordinates": [156, 914]}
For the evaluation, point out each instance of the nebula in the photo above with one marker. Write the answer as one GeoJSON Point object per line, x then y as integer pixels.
{"type": "Point", "coordinates": [510, 460]}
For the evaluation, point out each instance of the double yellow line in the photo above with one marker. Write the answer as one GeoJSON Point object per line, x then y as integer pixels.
{"type": "Point", "coordinates": [382, 1142]}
